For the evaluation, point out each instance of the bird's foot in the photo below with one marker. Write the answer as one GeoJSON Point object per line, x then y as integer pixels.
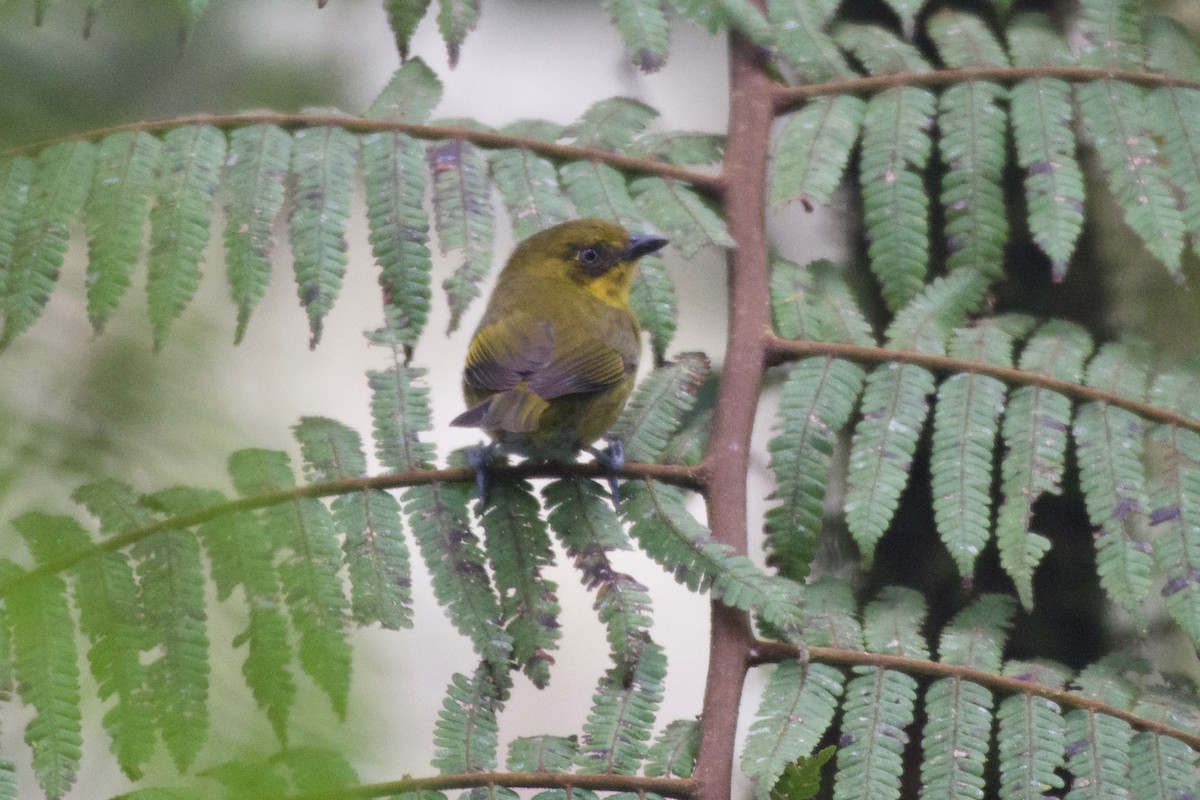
{"type": "Point", "coordinates": [480, 459]}
{"type": "Point", "coordinates": [613, 458]}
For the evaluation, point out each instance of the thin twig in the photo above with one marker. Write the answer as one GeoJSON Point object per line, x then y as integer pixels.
{"type": "Point", "coordinates": [667, 787]}
{"type": "Point", "coordinates": [774, 652]}
{"type": "Point", "coordinates": [780, 350]}
{"type": "Point", "coordinates": [709, 184]}
{"type": "Point", "coordinates": [685, 476]}
{"type": "Point", "coordinates": [788, 97]}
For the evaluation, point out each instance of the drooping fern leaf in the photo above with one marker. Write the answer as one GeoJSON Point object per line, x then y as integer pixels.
{"type": "Point", "coordinates": [1098, 755]}
{"type": "Point", "coordinates": [643, 27]}
{"type": "Point", "coordinates": [115, 216]}
{"type": "Point", "coordinates": [831, 615]}
{"type": "Point", "coordinates": [15, 176]}
{"type": "Point", "coordinates": [369, 522]}
{"type": "Point", "coordinates": [456, 19]}
{"type": "Point", "coordinates": [529, 183]}
{"type": "Point", "coordinates": [813, 149]}
{"type": "Point", "coordinates": [43, 637]}
{"type": "Point", "coordinates": [465, 735]}
{"type": "Point", "coordinates": [680, 214]}
{"type": "Point", "coordinates": [1176, 110]}
{"type": "Point", "coordinates": [189, 172]}
{"type": "Point", "coordinates": [674, 751]}
{"type": "Point", "coordinates": [61, 177]}
{"type": "Point", "coordinates": [410, 94]}
{"type": "Point", "coordinates": [796, 707]}
{"type": "Point", "coordinates": [394, 176]}
{"type": "Point", "coordinates": [623, 710]}
{"type": "Point", "coordinates": [658, 405]}
{"type": "Point", "coordinates": [462, 214]}
{"type": "Point", "coordinates": [403, 18]}
{"type": "Point", "coordinates": [1161, 766]}
{"type": "Point", "coordinates": [1034, 431]}
{"type": "Point", "coordinates": [806, 47]}
{"type": "Point", "coordinates": [879, 50]}
{"type": "Point", "coordinates": [966, 421]}
{"type": "Point", "coordinates": [400, 414]}
{"type": "Point", "coordinates": [972, 124]}
{"type": "Point", "coordinates": [1112, 33]}
{"type": "Point", "coordinates": [1030, 735]}
{"type": "Point", "coordinates": [255, 173]}
{"type": "Point", "coordinates": [542, 753]}
{"type": "Point", "coordinates": [323, 162]}
{"type": "Point", "coordinates": [581, 517]}
{"type": "Point", "coordinates": [671, 536]}
{"type": "Point", "coordinates": [1045, 138]}
{"type": "Point", "coordinates": [1109, 443]}
{"type": "Point", "coordinates": [880, 703]}
{"type": "Point", "coordinates": [518, 546]}
{"type": "Point", "coordinates": [312, 590]}
{"type": "Point", "coordinates": [815, 302]}
{"type": "Point", "coordinates": [956, 737]}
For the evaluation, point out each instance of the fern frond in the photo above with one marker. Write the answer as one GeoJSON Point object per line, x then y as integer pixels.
{"type": "Point", "coordinates": [529, 185]}
{"type": "Point", "coordinates": [1160, 766]}
{"type": "Point", "coordinates": [598, 190]}
{"type": "Point", "coordinates": [684, 148]}
{"type": "Point", "coordinates": [456, 19]}
{"type": "Point", "coordinates": [323, 162]}
{"type": "Point", "coordinates": [394, 177]}
{"type": "Point", "coordinates": [623, 710]}
{"type": "Point", "coordinates": [581, 517]}
{"type": "Point", "coordinates": [1109, 443]}
{"type": "Point", "coordinates": [643, 27]}
{"type": "Point", "coordinates": [675, 539]}
{"type": "Point", "coordinates": [655, 304]}
{"type": "Point", "coordinates": [1034, 431]}
{"type": "Point", "coordinates": [680, 214]}
{"type": "Point", "coordinates": [242, 554]}
{"type": "Point", "coordinates": [110, 616]}
{"type": "Point", "coordinates": [966, 420]}
{"type": "Point", "coordinates": [815, 302]}
{"type": "Point", "coordinates": [830, 615]}
{"type": "Point", "coordinates": [437, 514]}
{"type": "Point", "coordinates": [1176, 113]}
{"type": "Point", "coordinates": [171, 577]}
{"type": "Point", "coordinates": [1098, 755]}
{"type": "Point", "coordinates": [542, 753]}
{"type": "Point", "coordinates": [115, 216]}
{"type": "Point", "coordinates": [116, 505]}
{"type": "Point", "coordinates": [1045, 138]}
{"type": "Point", "coordinates": [806, 48]}
{"type": "Point", "coordinates": [658, 405]}
{"type": "Point", "coordinates": [518, 547]}
{"type": "Point", "coordinates": [880, 703]}
{"type": "Point", "coordinates": [45, 663]}
{"type": "Point", "coordinates": [797, 707]}
{"type": "Point", "coordinates": [400, 413]}
{"type": "Point", "coordinates": [1030, 735]}
{"type": "Point", "coordinates": [1112, 34]}
{"type": "Point", "coordinates": [410, 95]}
{"type": "Point", "coordinates": [1114, 115]}
{"type": "Point", "coordinates": [674, 751]}
{"type": "Point", "coordinates": [369, 522]}
{"type": "Point", "coordinates": [462, 215]}
{"type": "Point", "coordinates": [16, 174]}
{"type": "Point", "coordinates": [814, 147]}
{"type": "Point", "coordinates": [62, 175]}
{"type": "Point", "coordinates": [189, 172]}
{"type": "Point", "coordinates": [814, 405]}
{"type": "Point", "coordinates": [255, 174]}
{"type": "Point", "coordinates": [1174, 493]}
{"type": "Point", "coordinates": [975, 637]}
{"type": "Point", "coordinates": [1170, 48]}
{"type": "Point", "coordinates": [403, 18]}
{"type": "Point", "coordinates": [465, 735]}
{"type": "Point", "coordinates": [972, 124]}
{"type": "Point", "coordinates": [895, 151]}
{"type": "Point", "coordinates": [8, 779]}
{"type": "Point", "coordinates": [879, 50]}
{"type": "Point", "coordinates": [611, 124]}
{"type": "Point", "coordinates": [308, 572]}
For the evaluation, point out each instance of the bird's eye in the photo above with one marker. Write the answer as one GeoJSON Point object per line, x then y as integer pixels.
{"type": "Point", "coordinates": [589, 255]}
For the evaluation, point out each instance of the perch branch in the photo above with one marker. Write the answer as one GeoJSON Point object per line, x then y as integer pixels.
{"type": "Point", "coordinates": [667, 787]}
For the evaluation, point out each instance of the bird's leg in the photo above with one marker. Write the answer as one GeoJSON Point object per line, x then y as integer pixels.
{"type": "Point", "coordinates": [613, 458]}
{"type": "Point", "coordinates": [480, 459]}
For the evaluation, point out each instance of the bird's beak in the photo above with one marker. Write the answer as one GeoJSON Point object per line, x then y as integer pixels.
{"type": "Point", "coordinates": [640, 245]}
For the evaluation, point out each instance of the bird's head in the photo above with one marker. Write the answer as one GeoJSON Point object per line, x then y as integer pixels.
{"type": "Point", "coordinates": [598, 255]}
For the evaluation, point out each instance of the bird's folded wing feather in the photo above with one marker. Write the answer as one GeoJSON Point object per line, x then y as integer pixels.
{"type": "Point", "coordinates": [521, 348]}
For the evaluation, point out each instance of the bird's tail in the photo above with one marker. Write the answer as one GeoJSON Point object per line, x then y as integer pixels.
{"type": "Point", "coordinates": [517, 410]}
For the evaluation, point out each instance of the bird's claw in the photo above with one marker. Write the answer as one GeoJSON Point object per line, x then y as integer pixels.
{"type": "Point", "coordinates": [613, 458]}
{"type": "Point", "coordinates": [480, 458]}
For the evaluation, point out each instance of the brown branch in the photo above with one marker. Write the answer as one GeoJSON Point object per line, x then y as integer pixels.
{"type": "Point", "coordinates": [684, 476]}
{"type": "Point", "coordinates": [787, 97]}
{"type": "Point", "coordinates": [774, 652]}
{"type": "Point", "coordinates": [667, 787]}
{"type": "Point", "coordinates": [751, 113]}
{"type": "Point", "coordinates": [780, 350]}
{"type": "Point", "coordinates": [706, 183]}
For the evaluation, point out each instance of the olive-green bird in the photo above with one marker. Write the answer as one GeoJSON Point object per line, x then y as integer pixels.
{"type": "Point", "coordinates": [553, 359]}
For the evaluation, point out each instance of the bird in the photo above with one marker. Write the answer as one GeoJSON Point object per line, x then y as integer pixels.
{"type": "Point", "coordinates": [554, 358]}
